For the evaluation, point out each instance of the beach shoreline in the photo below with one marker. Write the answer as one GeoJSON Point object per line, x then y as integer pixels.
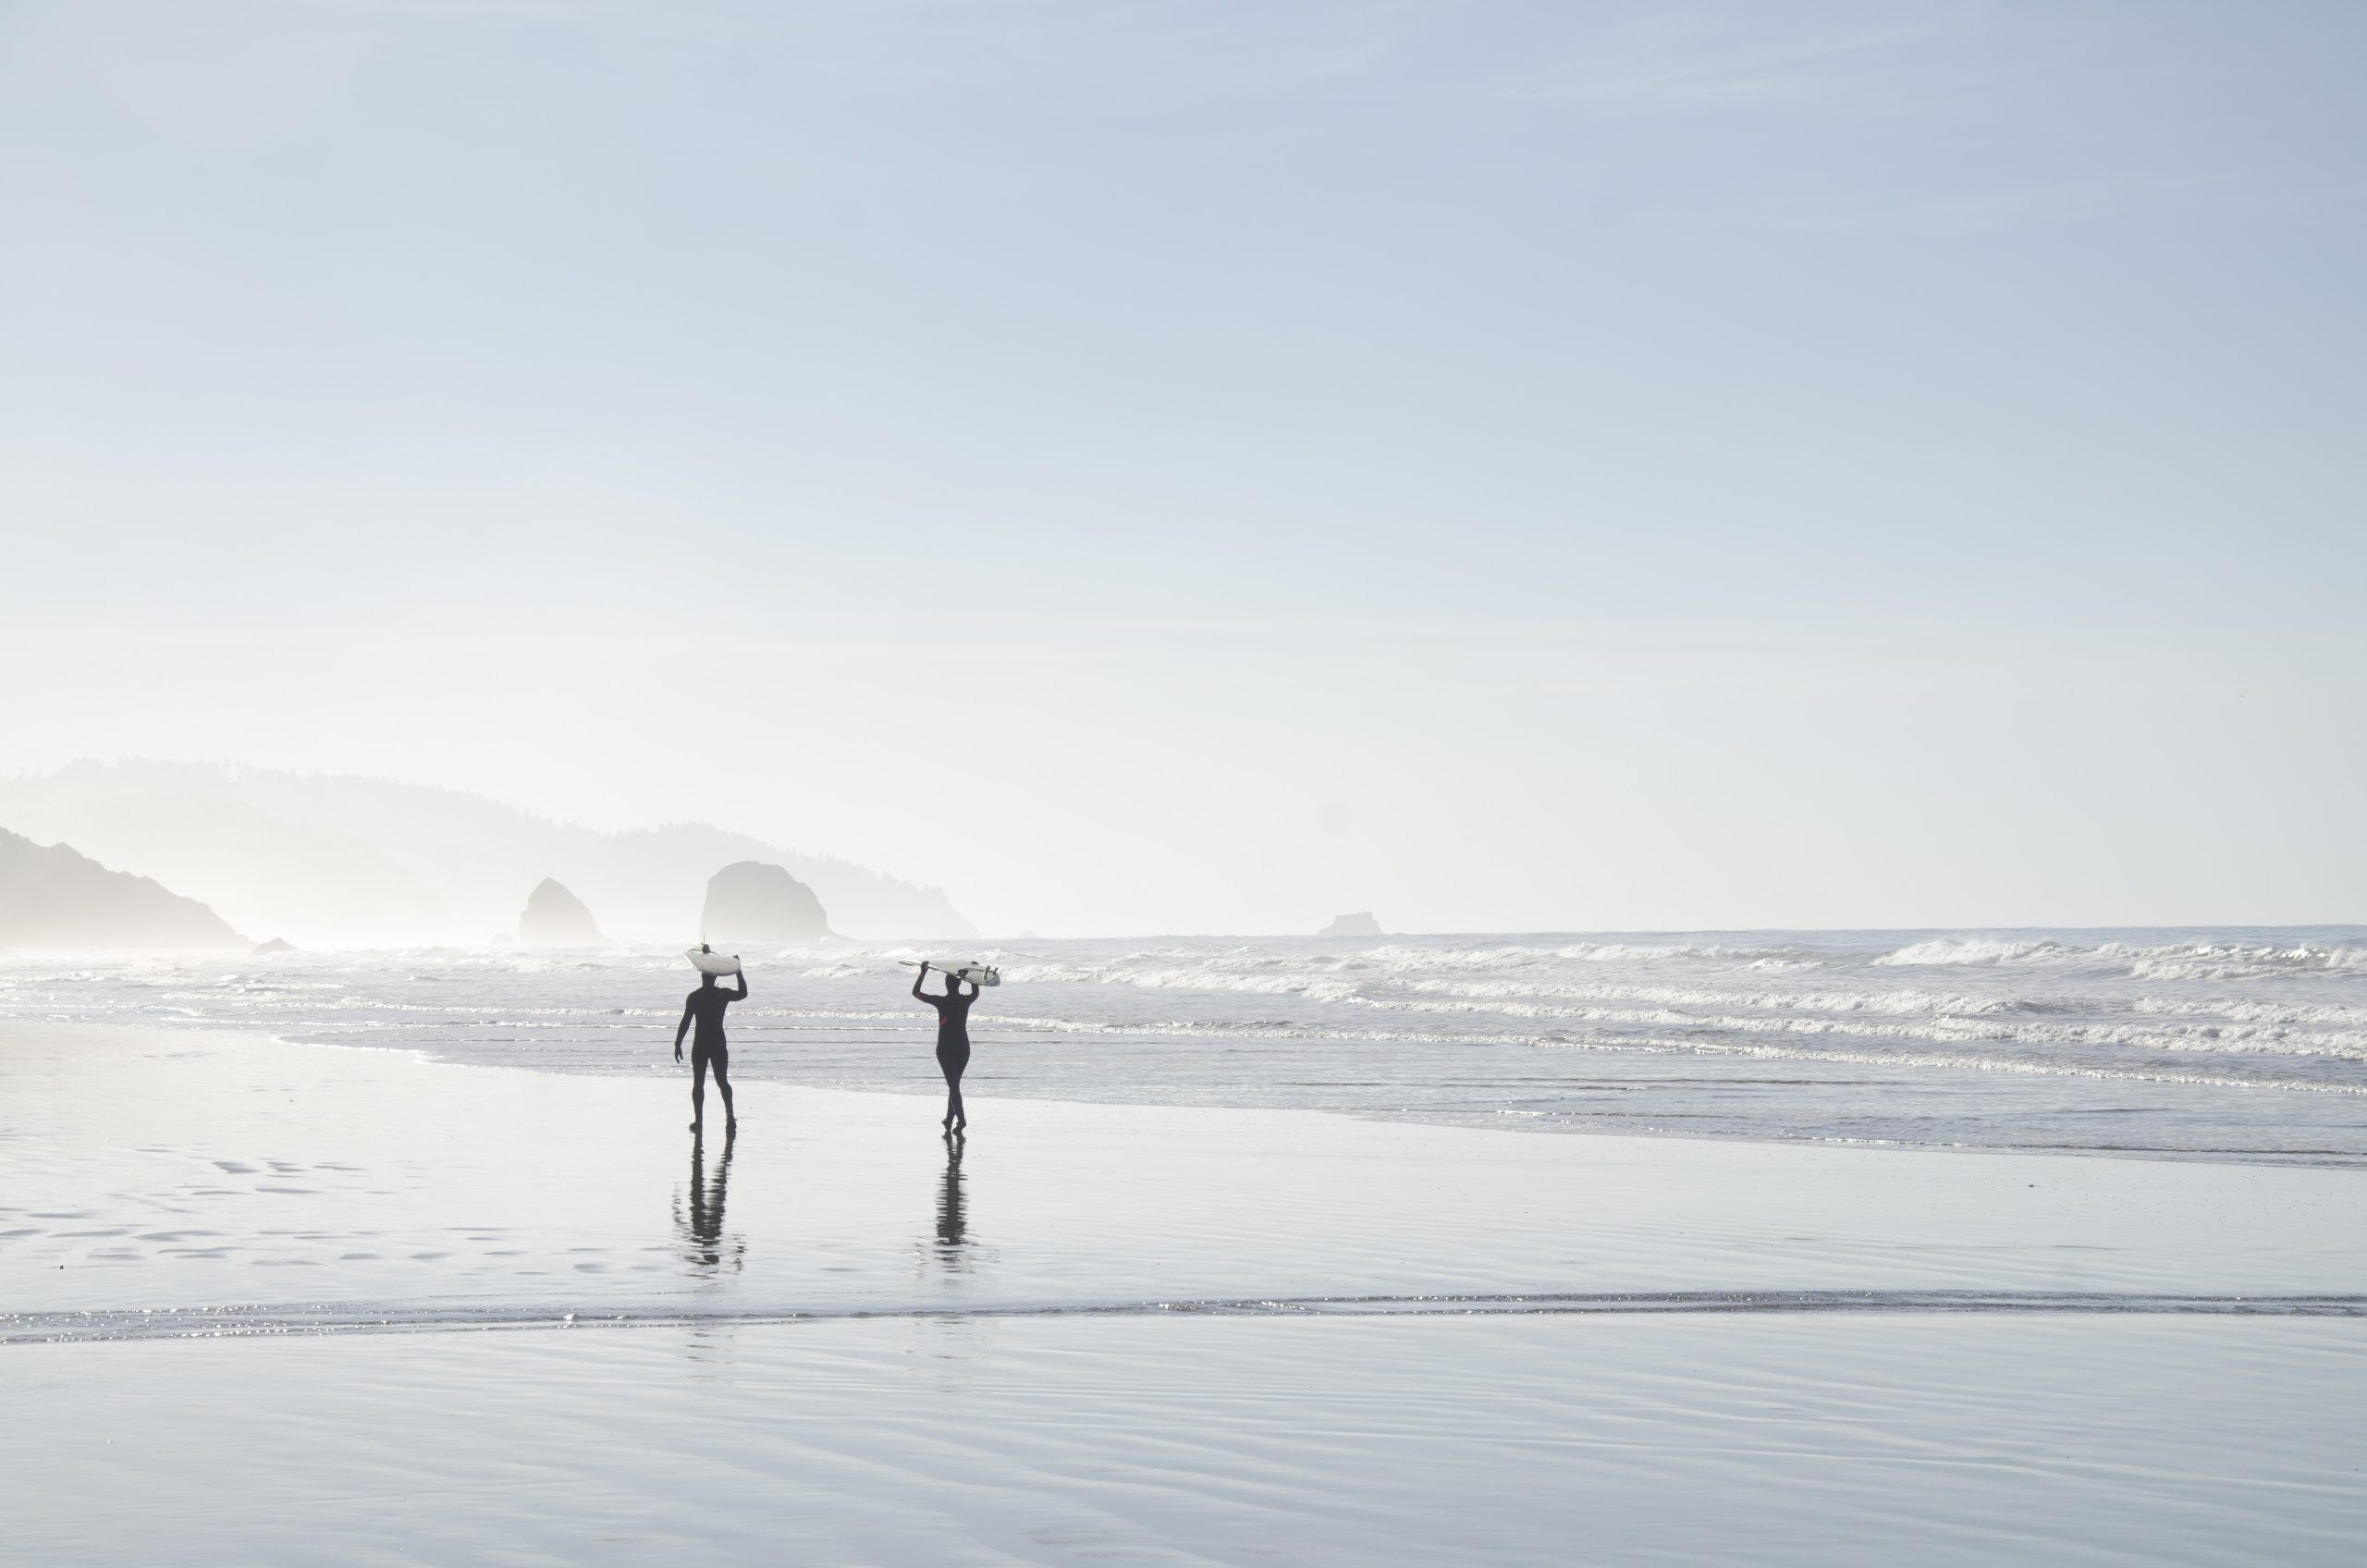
{"type": "Point", "coordinates": [287, 1292]}
{"type": "Point", "coordinates": [2221, 1046]}
{"type": "Point", "coordinates": [205, 1172]}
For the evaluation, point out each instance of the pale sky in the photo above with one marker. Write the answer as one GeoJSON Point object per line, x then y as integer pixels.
{"type": "Point", "coordinates": [1211, 467]}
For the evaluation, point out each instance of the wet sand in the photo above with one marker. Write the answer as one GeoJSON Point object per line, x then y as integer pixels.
{"type": "Point", "coordinates": [245, 1290]}
{"type": "Point", "coordinates": [1544, 1440]}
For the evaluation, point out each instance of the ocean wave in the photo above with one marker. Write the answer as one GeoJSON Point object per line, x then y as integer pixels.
{"type": "Point", "coordinates": [1423, 1028]}
{"type": "Point", "coordinates": [2238, 1011]}
{"type": "Point", "coordinates": [2006, 1065]}
{"type": "Point", "coordinates": [2205, 963]}
{"type": "Point", "coordinates": [1977, 950]}
{"type": "Point", "coordinates": [1902, 1002]}
{"type": "Point", "coordinates": [2168, 960]}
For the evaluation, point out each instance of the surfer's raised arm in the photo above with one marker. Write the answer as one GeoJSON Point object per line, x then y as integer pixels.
{"type": "Point", "coordinates": [742, 995]}
{"type": "Point", "coordinates": [918, 993]}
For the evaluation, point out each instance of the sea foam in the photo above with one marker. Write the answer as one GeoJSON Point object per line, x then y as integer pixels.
{"type": "Point", "coordinates": [2168, 1042]}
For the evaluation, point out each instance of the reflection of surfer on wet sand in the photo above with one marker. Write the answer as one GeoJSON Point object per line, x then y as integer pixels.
{"type": "Point", "coordinates": [702, 1225]}
{"type": "Point", "coordinates": [952, 1227]}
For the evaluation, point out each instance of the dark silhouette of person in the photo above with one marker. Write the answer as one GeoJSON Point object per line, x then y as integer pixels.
{"type": "Point", "coordinates": [702, 1226]}
{"type": "Point", "coordinates": [952, 1227]}
{"type": "Point", "coordinates": [952, 1041]}
{"type": "Point", "coordinates": [704, 1007]}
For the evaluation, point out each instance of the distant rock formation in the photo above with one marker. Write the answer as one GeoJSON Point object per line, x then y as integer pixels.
{"type": "Point", "coordinates": [343, 863]}
{"type": "Point", "coordinates": [53, 897]}
{"type": "Point", "coordinates": [1361, 924]}
{"type": "Point", "coordinates": [276, 945]}
{"type": "Point", "coordinates": [556, 918]}
{"type": "Point", "coordinates": [751, 902]}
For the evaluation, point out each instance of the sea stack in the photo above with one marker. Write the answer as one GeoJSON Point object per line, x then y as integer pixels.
{"type": "Point", "coordinates": [751, 902]}
{"type": "Point", "coordinates": [556, 918]}
{"type": "Point", "coordinates": [1361, 924]}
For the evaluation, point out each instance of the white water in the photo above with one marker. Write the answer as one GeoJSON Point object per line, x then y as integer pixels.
{"type": "Point", "coordinates": [2232, 1044]}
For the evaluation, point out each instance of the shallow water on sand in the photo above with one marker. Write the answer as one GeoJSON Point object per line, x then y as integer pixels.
{"type": "Point", "coordinates": [2230, 1044]}
{"type": "Point", "coordinates": [162, 1184]}
{"type": "Point", "coordinates": [269, 1303]}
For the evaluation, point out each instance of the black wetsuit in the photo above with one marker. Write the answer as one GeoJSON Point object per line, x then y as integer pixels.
{"type": "Point", "coordinates": [953, 1039]}
{"type": "Point", "coordinates": [705, 1009]}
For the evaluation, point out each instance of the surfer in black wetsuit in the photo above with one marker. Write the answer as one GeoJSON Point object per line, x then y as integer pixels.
{"type": "Point", "coordinates": [704, 1007]}
{"type": "Point", "coordinates": [952, 1041]}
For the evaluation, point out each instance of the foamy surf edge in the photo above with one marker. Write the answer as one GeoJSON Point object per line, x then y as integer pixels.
{"type": "Point", "coordinates": [251, 1321]}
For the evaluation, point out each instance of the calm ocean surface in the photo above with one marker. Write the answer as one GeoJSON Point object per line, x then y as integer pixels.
{"type": "Point", "coordinates": [2245, 1044]}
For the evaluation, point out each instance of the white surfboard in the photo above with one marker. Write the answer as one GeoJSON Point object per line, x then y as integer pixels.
{"type": "Point", "coordinates": [710, 963]}
{"type": "Point", "coordinates": [975, 973]}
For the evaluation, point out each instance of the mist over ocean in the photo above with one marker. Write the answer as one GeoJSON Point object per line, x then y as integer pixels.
{"type": "Point", "coordinates": [1672, 499]}
{"type": "Point", "coordinates": [2241, 1044]}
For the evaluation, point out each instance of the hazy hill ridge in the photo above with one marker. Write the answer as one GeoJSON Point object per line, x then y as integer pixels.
{"type": "Point", "coordinates": [342, 861]}
{"type": "Point", "coordinates": [52, 895]}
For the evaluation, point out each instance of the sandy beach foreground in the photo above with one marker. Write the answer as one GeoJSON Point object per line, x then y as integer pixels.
{"type": "Point", "coordinates": [249, 1296]}
{"type": "Point", "coordinates": [1495, 1441]}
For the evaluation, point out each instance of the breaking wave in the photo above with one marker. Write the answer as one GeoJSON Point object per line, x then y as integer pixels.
{"type": "Point", "coordinates": [2157, 1042]}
